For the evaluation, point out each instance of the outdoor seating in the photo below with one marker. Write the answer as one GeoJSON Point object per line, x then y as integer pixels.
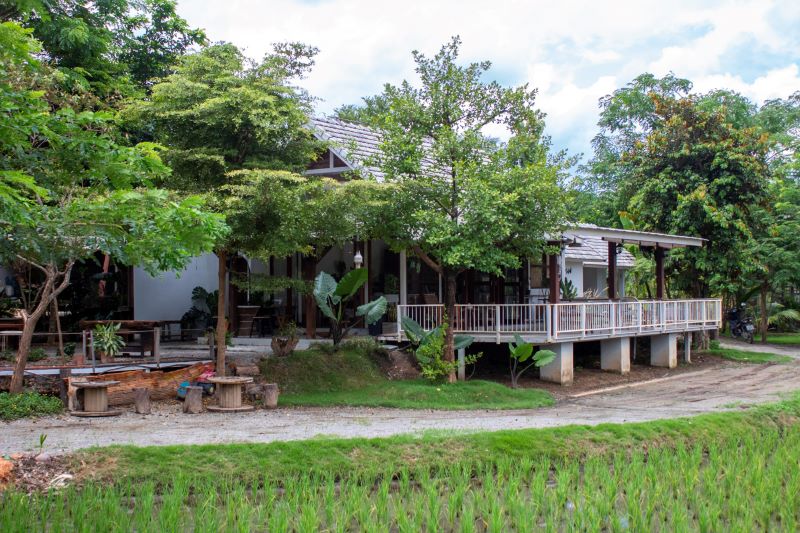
{"type": "Point", "coordinates": [229, 393]}
{"type": "Point", "coordinates": [93, 395]}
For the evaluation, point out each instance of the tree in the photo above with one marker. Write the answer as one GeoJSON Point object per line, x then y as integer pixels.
{"type": "Point", "coordinates": [461, 199]}
{"type": "Point", "coordinates": [226, 120]}
{"type": "Point", "coordinates": [87, 193]}
{"type": "Point", "coordinates": [114, 48]}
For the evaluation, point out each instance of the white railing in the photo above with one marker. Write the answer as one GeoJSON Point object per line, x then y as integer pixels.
{"type": "Point", "coordinates": [571, 319]}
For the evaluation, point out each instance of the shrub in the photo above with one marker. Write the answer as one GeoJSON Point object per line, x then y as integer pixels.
{"type": "Point", "coordinates": [430, 356]}
{"type": "Point", "coordinates": [714, 344]}
{"type": "Point", "coordinates": [14, 406]}
{"type": "Point", "coordinates": [368, 345]}
{"type": "Point", "coordinates": [37, 354]}
{"type": "Point", "coordinates": [69, 349]}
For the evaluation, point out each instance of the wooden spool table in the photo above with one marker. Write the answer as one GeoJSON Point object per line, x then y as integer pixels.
{"type": "Point", "coordinates": [95, 398]}
{"type": "Point", "coordinates": [229, 393]}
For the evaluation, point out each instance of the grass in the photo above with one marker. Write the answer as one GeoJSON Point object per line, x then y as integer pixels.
{"type": "Point", "coordinates": [749, 357]}
{"type": "Point", "coordinates": [352, 376]}
{"type": "Point", "coordinates": [783, 338]}
{"type": "Point", "coordinates": [726, 471]}
{"type": "Point", "coordinates": [27, 404]}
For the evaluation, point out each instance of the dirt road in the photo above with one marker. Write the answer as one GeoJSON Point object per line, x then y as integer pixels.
{"type": "Point", "coordinates": [682, 395]}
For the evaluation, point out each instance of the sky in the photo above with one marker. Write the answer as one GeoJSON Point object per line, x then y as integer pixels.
{"type": "Point", "coordinates": [573, 52]}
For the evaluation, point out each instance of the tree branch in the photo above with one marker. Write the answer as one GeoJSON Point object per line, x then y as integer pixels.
{"type": "Point", "coordinates": [427, 259]}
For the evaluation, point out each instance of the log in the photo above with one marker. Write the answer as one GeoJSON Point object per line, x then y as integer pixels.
{"type": "Point", "coordinates": [244, 369]}
{"type": "Point", "coordinates": [142, 399]}
{"type": "Point", "coordinates": [271, 395]}
{"type": "Point", "coordinates": [162, 385]}
{"type": "Point", "coordinates": [193, 403]}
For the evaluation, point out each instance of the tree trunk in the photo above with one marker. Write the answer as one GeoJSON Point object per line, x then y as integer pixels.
{"type": "Point", "coordinates": [450, 311]}
{"type": "Point", "coordinates": [222, 323]}
{"type": "Point", "coordinates": [764, 311]}
{"type": "Point", "coordinates": [48, 293]}
{"type": "Point", "coordinates": [59, 333]}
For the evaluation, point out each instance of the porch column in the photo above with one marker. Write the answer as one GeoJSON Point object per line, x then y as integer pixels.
{"type": "Point", "coordinates": [289, 292]}
{"type": "Point", "coordinates": [403, 279]}
{"type": "Point", "coordinates": [310, 305]}
{"type": "Point", "coordinates": [659, 254]}
{"type": "Point", "coordinates": [560, 370]}
{"type": "Point", "coordinates": [664, 350]}
{"type": "Point", "coordinates": [553, 273]}
{"type": "Point", "coordinates": [612, 271]}
{"type": "Point", "coordinates": [615, 355]}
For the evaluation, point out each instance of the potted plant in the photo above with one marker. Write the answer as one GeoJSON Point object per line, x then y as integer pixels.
{"type": "Point", "coordinates": [106, 341]}
{"type": "Point", "coordinates": [285, 339]}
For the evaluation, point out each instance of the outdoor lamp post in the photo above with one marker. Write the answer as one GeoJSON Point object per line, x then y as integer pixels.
{"type": "Point", "coordinates": [358, 259]}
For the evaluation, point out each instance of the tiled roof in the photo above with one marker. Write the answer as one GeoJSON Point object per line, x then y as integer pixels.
{"type": "Point", "coordinates": [595, 250]}
{"type": "Point", "coordinates": [357, 144]}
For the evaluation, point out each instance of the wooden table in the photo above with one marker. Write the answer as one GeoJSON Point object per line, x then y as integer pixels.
{"type": "Point", "coordinates": [229, 393]}
{"type": "Point", "coordinates": [95, 398]}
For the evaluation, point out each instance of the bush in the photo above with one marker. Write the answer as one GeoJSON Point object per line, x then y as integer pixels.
{"type": "Point", "coordinates": [14, 406]}
{"type": "Point", "coordinates": [714, 344]}
{"type": "Point", "coordinates": [430, 356]}
{"type": "Point", "coordinates": [367, 345]}
{"type": "Point", "coordinates": [37, 354]}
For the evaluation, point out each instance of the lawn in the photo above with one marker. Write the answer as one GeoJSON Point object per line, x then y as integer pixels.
{"type": "Point", "coordinates": [352, 376]}
{"type": "Point", "coordinates": [749, 357]}
{"type": "Point", "coordinates": [783, 338]}
{"type": "Point", "coordinates": [726, 471]}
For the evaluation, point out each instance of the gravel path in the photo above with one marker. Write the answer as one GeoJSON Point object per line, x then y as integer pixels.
{"type": "Point", "coordinates": [683, 395]}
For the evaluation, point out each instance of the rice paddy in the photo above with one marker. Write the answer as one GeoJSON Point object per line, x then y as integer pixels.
{"type": "Point", "coordinates": [739, 483]}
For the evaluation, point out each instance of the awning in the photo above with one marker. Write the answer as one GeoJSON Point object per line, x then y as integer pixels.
{"type": "Point", "coordinates": [642, 238]}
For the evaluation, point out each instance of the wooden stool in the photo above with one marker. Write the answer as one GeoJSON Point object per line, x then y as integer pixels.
{"type": "Point", "coordinates": [229, 393]}
{"type": "Point", "coordinates": [95, 399]}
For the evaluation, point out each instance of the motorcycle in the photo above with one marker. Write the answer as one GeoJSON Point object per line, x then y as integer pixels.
{"type": "Point", "coordinates": [743, 328]}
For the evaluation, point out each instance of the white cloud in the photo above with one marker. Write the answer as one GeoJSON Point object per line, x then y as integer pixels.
{"type": "Point", "coordinates": [574, 51]}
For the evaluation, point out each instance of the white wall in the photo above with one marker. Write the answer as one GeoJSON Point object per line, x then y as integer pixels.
{"type": "Point", "coordinates": [167, 297]}
{"type": "Point", "coordinates": [573, 271]}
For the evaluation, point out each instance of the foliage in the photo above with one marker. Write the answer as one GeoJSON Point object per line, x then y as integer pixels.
{"type": "Point", "coordinates": [85, 193]}
{"type": "Point", "coordinates": [519, 352]}
{"type": "Point", "coordinates": [112, 48]}
{"type": "Point", "coordinates": [461, 199]}
{"type": "Point", "coordinates": [28, 404]}
{"type": "Point", "coordinates": [69, 349]}
{"type": "Point", "coordinates": [106, 340]}
{"type": "Point", "coordinates": [568, 289]}
{"type": "Point", "coordinates": [430, 347]}
{"type": "Point", "coordinates": [782, 317]}
{"type": "Point", "coordinates": [332, 299]}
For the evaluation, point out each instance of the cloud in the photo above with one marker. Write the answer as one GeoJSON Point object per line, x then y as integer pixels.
{"type": "Point", "coordinates": [574, 51]}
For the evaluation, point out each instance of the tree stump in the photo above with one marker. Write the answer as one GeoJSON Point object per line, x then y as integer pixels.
{"type": "Point", "coordinates": [193, 403]}
{"type": "Point", "coordinates": [142, 400]}
{"type": "Point", "coordinates": [63, 387]}
{"type": "Point", "coordinates": [271, 395]}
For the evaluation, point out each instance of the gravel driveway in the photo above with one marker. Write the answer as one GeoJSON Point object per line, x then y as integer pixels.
{"type": "Point", "coordinates": [682, 395]}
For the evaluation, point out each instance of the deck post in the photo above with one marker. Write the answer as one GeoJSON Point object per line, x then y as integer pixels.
{"type": "Point", "coordinates": [560, 370]}
{"type": "Point", "coordinates": [497, 323]}
{"type": "Point", "coordinates": [664, 350]}
{"type": "Point", "coordinates": [615, 355]}
{"type": "Point", "coordinates": [157, 346]}
{"type": "Point", "coordinates": [612, 271]}
{"type": "Point", "coordinates": [687, 347]}
{"type": "Point", "coordinates": [403, 279]}
{"type": "Point", "coordinates": [659, 253]}
{"type": "Point", "coordinates": [462, 366]}
{"type": "Point", "coordinates": [583, 320]}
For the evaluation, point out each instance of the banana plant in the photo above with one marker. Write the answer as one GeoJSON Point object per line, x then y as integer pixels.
{"type": "Point", "coordinates": [332, 299]}
{"type": "Point", "coordinates": [417, 336]}
{"type": "Point", "coordinates": [520, 352]}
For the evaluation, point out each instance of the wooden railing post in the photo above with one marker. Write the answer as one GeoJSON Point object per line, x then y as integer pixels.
{"type": "Point", "coordinates": [497, 322]}
{"type": "Point", "coordinates": [583, 320]}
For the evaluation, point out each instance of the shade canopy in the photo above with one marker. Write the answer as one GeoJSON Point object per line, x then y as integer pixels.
{"type": "Point", "coordinates": [625, 236]}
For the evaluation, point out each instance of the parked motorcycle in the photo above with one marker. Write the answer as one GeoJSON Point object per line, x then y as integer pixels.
{"type": "Point", "coordinates": [741, 327]}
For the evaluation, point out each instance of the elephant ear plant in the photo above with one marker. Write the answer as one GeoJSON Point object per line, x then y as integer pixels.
{"type": "Point", "coordinates": [332, 299]}
{"type": "Point", "coordinates": [521, 352]}
{"type": "Point", "coordinates": [429, 348]}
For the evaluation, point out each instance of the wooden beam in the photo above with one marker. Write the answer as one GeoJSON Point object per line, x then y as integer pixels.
{"type": "Point", "coordinates": [659, 253]}
{"type": "Point", "coordinates": [309, 270]}
{"type": "Point", "coordinates": [554, 277]}
{"type": "Point", "coordinates": [612, 271]}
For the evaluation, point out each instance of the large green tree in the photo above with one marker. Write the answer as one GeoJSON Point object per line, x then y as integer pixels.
{"type": "Point", "coordinates": [83, 193]}
{"type": "Point", "coordinates": [229, 123]}
{"type": "Point", "coordinates": [112, 48]}
{"type": "Point", "coordinates": [461, 199]}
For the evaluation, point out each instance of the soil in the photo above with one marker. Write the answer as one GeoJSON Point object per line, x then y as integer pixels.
{"type": "Point", "coordinates": [36, 472]}
{"type": "Point", "coordinates": [401, 365]}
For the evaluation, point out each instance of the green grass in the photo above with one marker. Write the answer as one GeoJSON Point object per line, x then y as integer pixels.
{"type": "Point", "coordinates": [783, 338]}
{"type": "Point", "coordinates": [27, 404]}
{"type": "Point", "coordinates": [420, 394]}
{"type": "Point", "coordinates": [351, 376]}
{"type": "Point", "coordinates": [726, 471]}
{"type": "Point", "coordinates": [749, 357]}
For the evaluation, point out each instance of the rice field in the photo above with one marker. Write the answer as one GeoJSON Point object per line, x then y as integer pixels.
{"type": "Point", "coordinates": [746, 484]}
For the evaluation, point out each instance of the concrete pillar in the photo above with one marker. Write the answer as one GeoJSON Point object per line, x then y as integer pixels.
{"type": "Point", "coordinates": [615, 355]}
{"type": "Point", "coordinates": [561, 369]}
{"type": "Point", "coordinates": [664, 350]}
